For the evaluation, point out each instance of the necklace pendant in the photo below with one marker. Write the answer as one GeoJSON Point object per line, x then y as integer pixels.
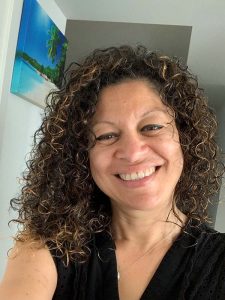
{"type": "Point", "coordinates": [118, 275]}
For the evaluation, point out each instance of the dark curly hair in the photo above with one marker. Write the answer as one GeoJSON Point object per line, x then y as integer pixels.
{"type": "Point", "coordinates": [60, 204]}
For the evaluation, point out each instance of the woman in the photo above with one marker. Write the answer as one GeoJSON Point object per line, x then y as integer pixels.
{"type": "Point", "coordinates": [115, 199]}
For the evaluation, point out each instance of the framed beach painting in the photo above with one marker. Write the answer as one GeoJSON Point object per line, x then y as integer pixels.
{"type": "Point", "coordinates": [40, 55]}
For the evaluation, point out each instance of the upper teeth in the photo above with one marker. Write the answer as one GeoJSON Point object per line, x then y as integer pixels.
{"type": "Point", "coordinates": [137, 175]}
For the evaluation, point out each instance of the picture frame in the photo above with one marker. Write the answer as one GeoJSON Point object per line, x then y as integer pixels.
{"type": "Point", "coordinates": [40, 55]}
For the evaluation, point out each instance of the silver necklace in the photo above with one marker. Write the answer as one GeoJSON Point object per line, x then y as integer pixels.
{"type": "Point", "coordinates": [142, 255]}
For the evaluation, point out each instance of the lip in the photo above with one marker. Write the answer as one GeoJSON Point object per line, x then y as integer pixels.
{"type": "Point", "coordinates": [138, 182]}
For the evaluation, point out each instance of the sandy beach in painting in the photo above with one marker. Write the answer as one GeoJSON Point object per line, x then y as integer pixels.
{"type": "Point", "coordinates": [39, 93]}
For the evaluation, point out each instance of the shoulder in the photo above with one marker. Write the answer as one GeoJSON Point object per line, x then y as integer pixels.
{"type": "Point", "coordinates": [206, 240]}
{"type": "Point", "coordinates": [203, 246]}
{"type": "Point", "coordinates": [206, 248]}
{"type": "Point", "coordinates": [207, 264]}
{"type": "Point", "coordinates": [211, 240]}
{"type": "Point", "coordinates": [30, 273]}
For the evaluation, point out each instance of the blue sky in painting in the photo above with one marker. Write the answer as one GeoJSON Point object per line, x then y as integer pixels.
{"type": "Point", "coordinates": [33, 34]}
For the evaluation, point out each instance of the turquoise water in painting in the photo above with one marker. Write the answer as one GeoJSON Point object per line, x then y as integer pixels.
{"type": "Point", "coordinates": [25, 78]}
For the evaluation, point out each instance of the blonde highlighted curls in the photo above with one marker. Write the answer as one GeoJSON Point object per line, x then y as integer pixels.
{"type": "Point", "coordinates": [59, 203]}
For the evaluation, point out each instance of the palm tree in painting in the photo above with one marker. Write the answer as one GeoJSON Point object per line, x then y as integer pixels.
{"type": "Point", "coordinates": [53, 42]}
{"type": "Point", "coordinates": [61, 64]}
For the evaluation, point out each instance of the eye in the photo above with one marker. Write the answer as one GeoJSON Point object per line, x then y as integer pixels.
{"type": "Point", "coordinates": [107, 138]}
{"type": "Point", "coordinates": [152, 127]}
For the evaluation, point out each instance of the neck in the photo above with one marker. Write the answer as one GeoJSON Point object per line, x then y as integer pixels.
{"type": "Point", "coordinates": [145, 228]}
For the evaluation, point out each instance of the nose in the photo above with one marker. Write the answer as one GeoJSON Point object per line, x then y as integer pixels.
{"type": "Point", "coordinates": [132, 148]}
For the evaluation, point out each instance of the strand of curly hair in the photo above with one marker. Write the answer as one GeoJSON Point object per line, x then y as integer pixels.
{"type": "Point", "coordinates": [59, 203]}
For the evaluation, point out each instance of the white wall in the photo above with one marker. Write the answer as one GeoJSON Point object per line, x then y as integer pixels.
{"type": "Point", "coordinates": [4, 17]}
{"type": "Point", "coordinates": [18, 118]}
{"type": "Point", "coordinates": [207, 47]}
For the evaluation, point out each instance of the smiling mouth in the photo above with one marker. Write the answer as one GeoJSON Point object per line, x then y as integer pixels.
{"type": "Point", "coordinates": [137, 175]}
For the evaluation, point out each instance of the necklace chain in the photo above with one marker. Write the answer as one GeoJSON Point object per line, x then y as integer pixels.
{"type": "Point", "coordinates": [142, 255]}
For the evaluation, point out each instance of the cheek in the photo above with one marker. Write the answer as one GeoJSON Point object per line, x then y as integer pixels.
{"type": "Point", "coordinates": [92, 161]}
{"type": "Point", "coordinates": [99, 170]}
{"type": "Point", "coordinates": [97, 163]}
{"type": "Point", "coordinates": [178, 158]}
{"type": "Point", "coordinates": [172, 152]}
{"type": "Point", "coordinates": [180, 163]}
{"type": "Point", "coordinates": [176, 152]}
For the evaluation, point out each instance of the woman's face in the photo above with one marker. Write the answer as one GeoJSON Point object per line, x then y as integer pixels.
{"type": "Point", "coordinates": [137, 159]}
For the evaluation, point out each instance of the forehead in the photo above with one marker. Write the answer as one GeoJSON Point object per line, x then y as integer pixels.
{"type": "Point", "coordinates": [134, 97]}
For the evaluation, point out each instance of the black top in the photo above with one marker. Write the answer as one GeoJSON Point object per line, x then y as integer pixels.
{"type": "Point", "coordinates": [192, 269]}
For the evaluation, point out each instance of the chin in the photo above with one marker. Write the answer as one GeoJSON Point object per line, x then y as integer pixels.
{"type": "Point", "coordinates": [143, 203]}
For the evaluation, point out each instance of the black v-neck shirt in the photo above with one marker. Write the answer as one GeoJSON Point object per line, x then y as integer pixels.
{"type": "Point", "coordinates": [192, 269]}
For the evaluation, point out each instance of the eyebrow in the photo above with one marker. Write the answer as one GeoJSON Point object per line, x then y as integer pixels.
{"type": "Point", "coordinates": [148, 112]}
